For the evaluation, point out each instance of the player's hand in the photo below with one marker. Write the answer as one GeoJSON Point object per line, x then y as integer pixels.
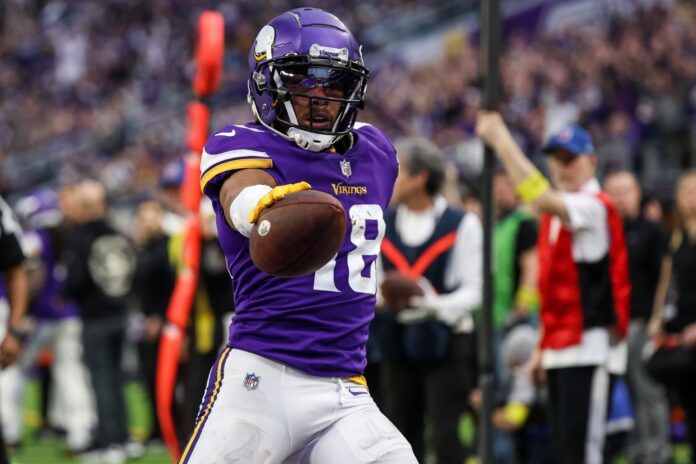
{"type": "Point", "coordinates": [10, 348]}
{"type": "Point", "coordinates": [491, 128]}
{"type": "Point", "coordinates": [278, 193]}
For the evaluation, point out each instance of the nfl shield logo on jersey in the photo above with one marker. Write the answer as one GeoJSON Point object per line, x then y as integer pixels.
{"type": "Point", "coordinates": [251, 381]}
{"type": "Point", "coordinates": [345, 168]}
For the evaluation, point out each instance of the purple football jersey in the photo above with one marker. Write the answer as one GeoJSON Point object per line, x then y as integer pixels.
{"type": "Point", "coordinates": [49, 304]}
{"type": "Point", "coordinates": [316, 323]}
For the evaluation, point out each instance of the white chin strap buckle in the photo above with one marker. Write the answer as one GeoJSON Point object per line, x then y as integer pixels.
{"type": "Point", "coordinates": [311, 141]}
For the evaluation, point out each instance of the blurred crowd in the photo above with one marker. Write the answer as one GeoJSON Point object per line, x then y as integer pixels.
{"type": "Point", "coordinates": [97, 89]}
{"type": "Point", "coordinates": [632, 84]}
{"type": "Point", "coordinates": [104, 84]}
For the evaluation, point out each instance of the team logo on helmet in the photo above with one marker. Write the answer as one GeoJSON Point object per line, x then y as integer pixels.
{"type": "Point", "coordinates": [339, 54]}
{"type": "Point", "coordinates": [251, 381]}
{"type": "Point", "coordinates": [264, 42]}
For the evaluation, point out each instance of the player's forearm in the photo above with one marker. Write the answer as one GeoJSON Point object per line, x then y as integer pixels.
{"type": "Point", "coordinates": [17, 294]}
{"type": "Point", "coordinates": [238, 182]}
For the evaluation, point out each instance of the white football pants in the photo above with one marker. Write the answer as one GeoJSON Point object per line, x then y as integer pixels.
{"type": "Point", "coordinates": [74, 403]}
{"type": "Point", "coordinates": [258, 411]}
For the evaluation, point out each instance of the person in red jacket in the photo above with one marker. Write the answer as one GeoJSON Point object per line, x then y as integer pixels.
{"type": "Point", "coordinates": [583, 283]}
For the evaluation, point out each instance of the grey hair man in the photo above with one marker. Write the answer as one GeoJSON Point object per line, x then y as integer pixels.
{"type": "Point", "coordinates": [435, 250]}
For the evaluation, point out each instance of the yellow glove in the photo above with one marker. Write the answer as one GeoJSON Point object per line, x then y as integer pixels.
{"type": "Point", "coordinates": [278, 193]}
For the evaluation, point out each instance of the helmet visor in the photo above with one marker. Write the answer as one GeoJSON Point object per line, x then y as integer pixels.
{"type": "Point", "coordinates": [333, 83]}
{"type": "Point", "coordinates": [321, 97]}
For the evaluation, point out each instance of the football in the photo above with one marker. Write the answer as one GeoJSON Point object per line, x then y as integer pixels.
{"type": "Point", "coordinates": [298, 234]}
{"type": "Point", "coordinates": [397, 289]}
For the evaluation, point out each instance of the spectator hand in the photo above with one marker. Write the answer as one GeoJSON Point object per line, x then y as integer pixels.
{"type": "Point", "coordinates": [415, 315]}
{"type": "Point", "coordinates": [491, 128]}
{"type": "Point", "coordinates": [689, 336]}
{"type": "Point", "coordinates": [654, 327]}
{"type": "Point", "coordinates": [10, 348]}
{"type": "Point", "coordinates": [534, 369]}
{"type": "Point", "coordinates": [519, 313]}
{"type": "Point", "coordinates": [420, 307]}
{"type": "Point", "coordinates": [396, 290]}
{"type": "Point", "coordinates": [475, 399]}
{"type": "Point", "coordinates": [153, 328]}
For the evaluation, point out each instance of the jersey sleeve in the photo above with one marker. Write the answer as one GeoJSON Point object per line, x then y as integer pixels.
{"type": "Point", "coordinates": [586, 211]}
{"type": "Point", "coordinates": [231, 149]}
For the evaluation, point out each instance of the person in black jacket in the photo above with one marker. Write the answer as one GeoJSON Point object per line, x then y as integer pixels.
{"type": "Point", "coordinates": [646, 241]}
{"type": "Point", "coordinates": [100, 264]}
{"type": "Point", "coordinates": [675, 330]}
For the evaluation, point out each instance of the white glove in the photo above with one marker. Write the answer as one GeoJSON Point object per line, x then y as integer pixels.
{"type": "Point", "coordinates": [414, 315]}
{"type": "Point", "coordinates": [420, 307]}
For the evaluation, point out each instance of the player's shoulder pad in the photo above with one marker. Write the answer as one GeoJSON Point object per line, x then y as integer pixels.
{"type": "Point", "coordinates": [377, 138]}
{"type": "Point", "coordinates": [232, 148]}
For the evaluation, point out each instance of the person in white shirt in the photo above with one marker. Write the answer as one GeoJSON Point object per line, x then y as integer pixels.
{"type": "Point", "coordinates": [430, 364]}
{"type": "Point", "coordinates": [583, 284]}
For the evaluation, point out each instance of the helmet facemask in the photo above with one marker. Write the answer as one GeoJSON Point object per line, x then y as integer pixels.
{"type": "Point", "coordinates": [315, 98]}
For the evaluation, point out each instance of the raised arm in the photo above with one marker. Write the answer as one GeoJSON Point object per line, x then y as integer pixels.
{"type": "Point", "coordinates": [530, 184]}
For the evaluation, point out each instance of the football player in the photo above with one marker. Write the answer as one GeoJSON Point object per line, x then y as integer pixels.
{"type": "Point", "coordinates": [289, 385]}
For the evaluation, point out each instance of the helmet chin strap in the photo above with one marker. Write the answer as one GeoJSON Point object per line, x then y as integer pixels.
{"type": "Point", "coordinates": [311, 141]}
{"type": "Point", "coordinates": [304, 139]}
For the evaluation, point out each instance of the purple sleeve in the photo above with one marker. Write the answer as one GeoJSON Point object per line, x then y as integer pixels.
{"type": "Point", "coordinates": [229, 150]}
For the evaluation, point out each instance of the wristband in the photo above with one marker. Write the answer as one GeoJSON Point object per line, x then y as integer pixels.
{"type": "Point", "coordinates": [516, 413]}
{"type": "Point", "coordinates": [527, 297]}
{"type": "Point", "coordinates": [532, 187]}
{"type": "Point", "coordinates": [244, 204]}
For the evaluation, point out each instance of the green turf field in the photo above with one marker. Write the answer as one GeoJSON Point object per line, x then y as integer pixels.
{"type": "Point", "coordinates": [51, 450]}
